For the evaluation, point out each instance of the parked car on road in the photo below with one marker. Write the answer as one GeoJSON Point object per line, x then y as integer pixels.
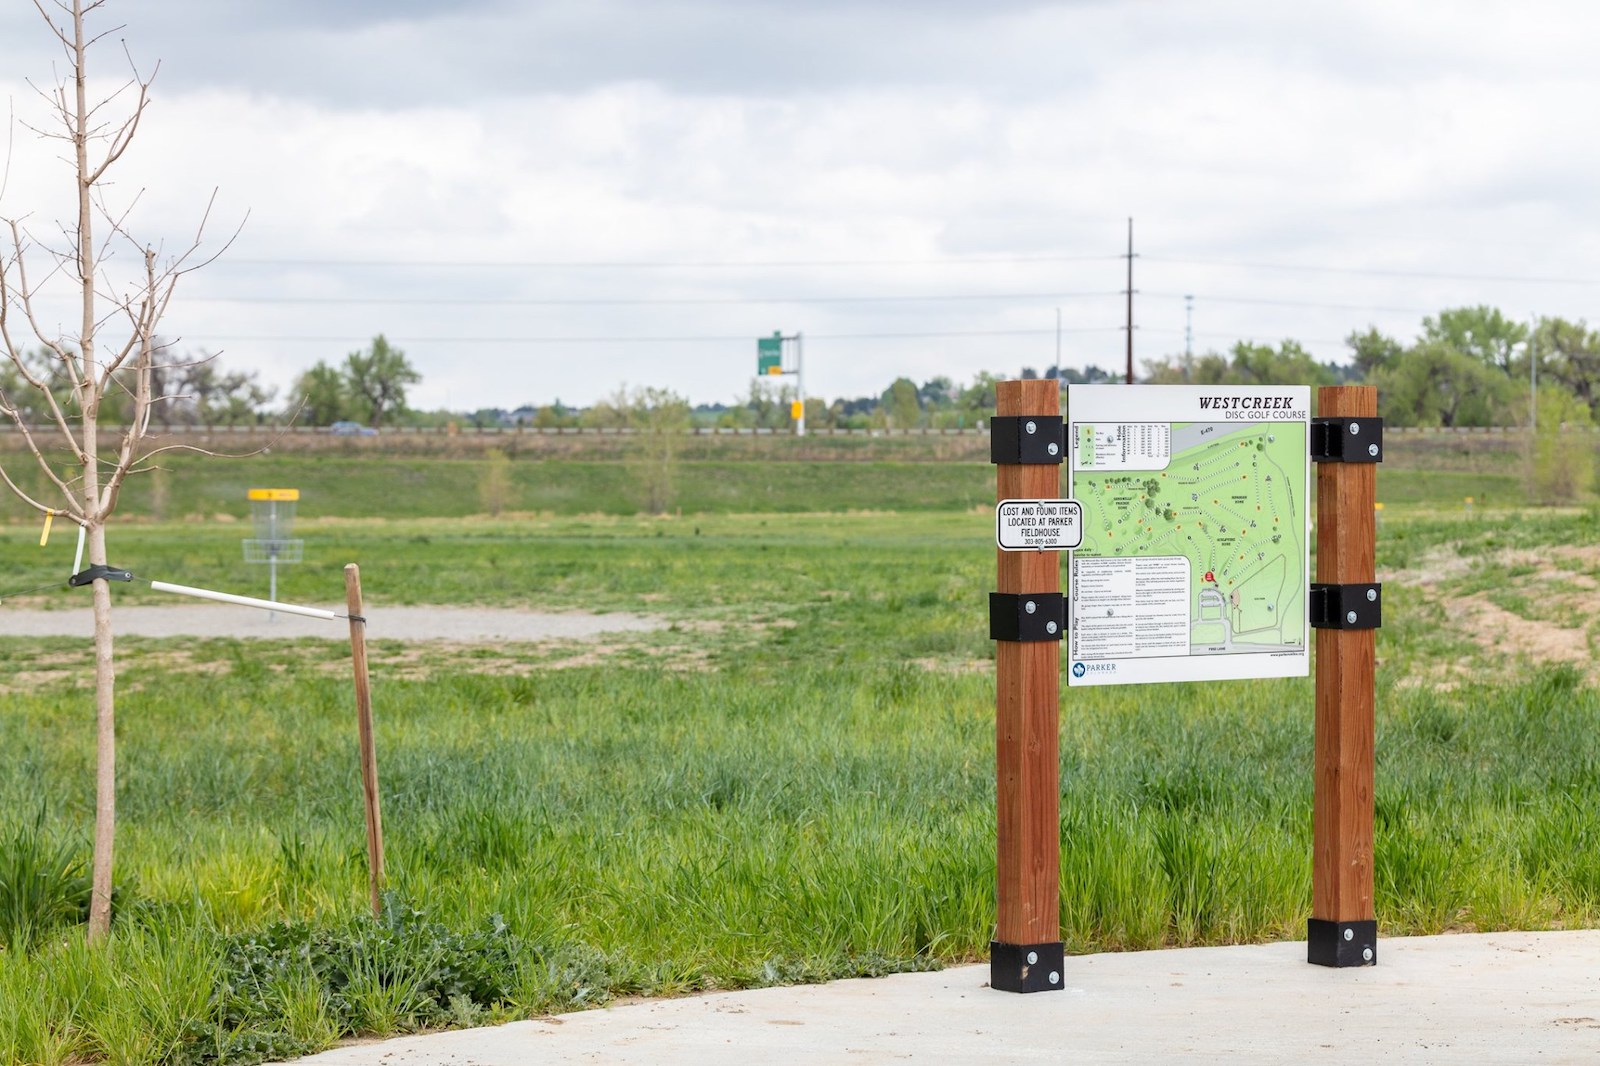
{"type": "Point", "coordinates": [351, 429]}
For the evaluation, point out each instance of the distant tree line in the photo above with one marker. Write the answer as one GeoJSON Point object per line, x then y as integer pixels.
{"type": "Point", "coordinates": [937, 403]}
{"type": "Point", "coordinates": [1469, 366]}
{"type": "Point", "coordinates": [194, 390]}
{"type": "Point", "coordinates": [187, 390]}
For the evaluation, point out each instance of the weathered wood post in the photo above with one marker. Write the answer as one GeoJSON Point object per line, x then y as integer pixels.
{"type": "Point", "coordinates": [369, 752]}
{"type": "Point", "coordinates": [1026, 619]}
{"type": "Point", "coordinates": [1347, 442]}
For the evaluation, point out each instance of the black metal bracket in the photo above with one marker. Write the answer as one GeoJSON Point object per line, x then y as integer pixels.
{"type": "Point", "coordinates": [1358, 606]}
{"type": "Point", "coordinates": [89, 576]}
{"type": "Point", "coordinates": [1347, 440]}
{"type": "Point", "coordinates": [1026, 439]}
{"type": "Point", "coordinates": [1341, 943]}
{"type": "Point", "coordinates": [1027, 616]}
{"type": "Point", "coordinates": [1027, 967]}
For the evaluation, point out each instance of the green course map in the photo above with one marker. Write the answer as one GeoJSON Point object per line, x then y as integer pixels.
{"type": "Point", "coordinates": [1229, 499]}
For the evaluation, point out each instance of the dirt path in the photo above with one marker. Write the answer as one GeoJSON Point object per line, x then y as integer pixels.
{"type": "Point", "coordinates": [467, 624]}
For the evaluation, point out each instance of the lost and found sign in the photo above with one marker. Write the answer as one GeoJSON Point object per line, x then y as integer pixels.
{"type": "Point", "coordinates": [1038, 525]}
{"type": "Point", "coordinates": [1194, 562]}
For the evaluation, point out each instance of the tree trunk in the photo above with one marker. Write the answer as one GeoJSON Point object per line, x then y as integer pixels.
{"type": "Point", "coordinates": [105, 803]}
{"type": "Point", "coordinates": [105, 790]}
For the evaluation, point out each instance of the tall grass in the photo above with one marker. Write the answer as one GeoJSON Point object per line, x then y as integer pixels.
{"type": "Point", "coordinates": [809, 794]}
{"type": "Point", "coordinates": [43, 884]}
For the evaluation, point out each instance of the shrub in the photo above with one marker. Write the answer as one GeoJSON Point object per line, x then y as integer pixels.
{"type": "Point", "coordinates": [293, 987]}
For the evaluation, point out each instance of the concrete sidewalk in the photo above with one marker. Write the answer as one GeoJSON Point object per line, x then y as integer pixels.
{"type": "Point", "coordinates": [1496, 998]}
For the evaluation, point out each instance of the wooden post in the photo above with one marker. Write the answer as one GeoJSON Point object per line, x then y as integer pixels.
{"type": "Point", "coordinates": [1343, 926]}
{"type": "Point", "coordinates": [1026, 955]}
{"type": "Point", "coordinates": [369, 754]}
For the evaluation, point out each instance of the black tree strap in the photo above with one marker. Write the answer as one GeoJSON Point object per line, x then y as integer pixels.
{"type": "Point", "coordinates": [95, 573]}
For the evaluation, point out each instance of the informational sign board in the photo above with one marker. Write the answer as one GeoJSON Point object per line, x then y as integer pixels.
{"type": "Point", "coordinates": [769, 354]}
{"type": "Point", "coordinates": [1195, 559]}
{"type": "Point", "coordinates": [1038, 525]}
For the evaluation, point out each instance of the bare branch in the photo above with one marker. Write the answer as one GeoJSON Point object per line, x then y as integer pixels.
{"type": "Point", "coordinates": [196, 449]}
{"type": "Point", "coordinates": [16, 490]}
{"type": "Point", "coordinates": [61, 34]}
{"type": "Point", "coordinates": [25, 297]}
{"type": "Point", "coordinates": [200, 232]}
{"type": "Point", "coordinates": [10, 410]}
{"type": "Point", "coordinates": [61, 352]}
{"type": "Point", "coordinates": [123, 137]}
{"type": "Point", "coordinates": [11, 137]}
{"type": "Point", "coordinates": [116, 223]}
{"type": "Point", "coordinates": [151, 306]}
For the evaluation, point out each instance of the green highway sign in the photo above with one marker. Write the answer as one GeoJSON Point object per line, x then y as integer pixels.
{"type": "Point", "coordinates": [769, 354]}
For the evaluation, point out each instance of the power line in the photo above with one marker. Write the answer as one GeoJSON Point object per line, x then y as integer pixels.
{"type": "Point", "coordinates": [1241, 335]}
{"type": "Point", "coordinates": [710, 339]}
{"type": "Point", "coordinates": [665, 264]}
{"type": "Point", "coordinates": [668, 301]}
{"type": "Point", "coordinates": [1377, 272]}
{"type": "Point", "coordinates": [1273, 302]}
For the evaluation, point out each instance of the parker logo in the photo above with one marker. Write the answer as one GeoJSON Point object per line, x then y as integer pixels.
{"type": "Point", "coordinates": [1079, 669]}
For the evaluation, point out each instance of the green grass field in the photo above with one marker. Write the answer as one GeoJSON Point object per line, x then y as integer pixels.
{"type": "Point", "coordinates": [794, 781]}
{"type": "Point", "coordinates": [384, 477]}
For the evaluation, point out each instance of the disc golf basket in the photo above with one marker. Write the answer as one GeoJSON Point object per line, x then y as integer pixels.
{"type": "Point", "coordinates": [272, 516]}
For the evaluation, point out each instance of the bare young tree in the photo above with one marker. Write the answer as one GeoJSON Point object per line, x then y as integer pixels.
{"type": "Point", "coordinates": [61, 397]}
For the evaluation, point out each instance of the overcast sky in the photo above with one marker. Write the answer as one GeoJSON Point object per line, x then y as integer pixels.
{"type": "Point", "coordinates": [543, 200]}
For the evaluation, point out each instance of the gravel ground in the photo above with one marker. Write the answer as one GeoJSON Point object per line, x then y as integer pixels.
{"type": "Point", "coordinates": [465, 624]}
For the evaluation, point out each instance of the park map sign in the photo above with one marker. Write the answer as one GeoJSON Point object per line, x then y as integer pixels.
{"type": "Point", "coordinates": [1195, 556]}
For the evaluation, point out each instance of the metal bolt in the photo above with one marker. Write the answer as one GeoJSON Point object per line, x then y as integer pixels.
{"type": "Point", "coordinates": [1050, 627]}
{"type": "Point", "coordinates": [1372, 450]}
{"type": "Point", "coordinates": [1055, 977]}
{"type": "Point", "coordinates": [1349, 934]}
{"type": "Point", "coordinates": [1033, 957]}
{"type": "Point", "coordinates": [1030, 427]}
{"type": "Point", "coordinates": [1351, 618]}
{"type": "Point", "coordinates": [1030, 607]}
{"type": "Point", "coordinates": [1355, 429]}
{"type": "Point", "coordinates": [1366, 954]}
{"type": "Point", "coordinates": [1372, 595]}
{"type": "Point", "coordinates": [1052, 448]}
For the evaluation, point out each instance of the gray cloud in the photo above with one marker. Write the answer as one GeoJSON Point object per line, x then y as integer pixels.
{"type": "Point", "coordinates": [1424, 136]}
{"type": "Point", "coordinates": [415, 51]}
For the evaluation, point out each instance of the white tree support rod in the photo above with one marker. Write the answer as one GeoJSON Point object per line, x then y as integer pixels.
{"type": "Point", "coordinates": [243, 601]}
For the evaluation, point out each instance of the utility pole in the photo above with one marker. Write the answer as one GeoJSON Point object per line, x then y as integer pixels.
{"type": "Point", "coordinates": [1188, 325]}
{"type": "Point", "coordinates": [1129, 291]}
{"type": "Point", "coordinates": [1058, 347]}
{"type": "Point", "coordinates": [800, 384]}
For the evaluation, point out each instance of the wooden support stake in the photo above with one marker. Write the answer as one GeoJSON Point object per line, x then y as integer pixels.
{"type": "Point", "coordinates": [1343, 927]}
{"type": "Point", "coordinates": [369, 754]}
{"type": "Point", "coordinates": [1027, 694]}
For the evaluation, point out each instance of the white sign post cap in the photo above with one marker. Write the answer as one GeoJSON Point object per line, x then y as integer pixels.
{"type": "Point", "coordinates": [1038, 525]}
